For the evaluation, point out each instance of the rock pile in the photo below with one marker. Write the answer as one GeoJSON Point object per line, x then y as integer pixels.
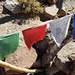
{"type": "Point", "coordinates": [51, 58]}
{"type": "Point", "coordinates": [62, 58]}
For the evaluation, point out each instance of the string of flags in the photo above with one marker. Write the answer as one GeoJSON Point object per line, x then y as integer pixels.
{"type": "Point", "coordinates": [74, 27]}
{"type": "Point", "coordinates": [58, 27]}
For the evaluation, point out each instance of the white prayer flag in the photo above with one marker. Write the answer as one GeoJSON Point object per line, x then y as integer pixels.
{"type": "Point", "coordinates": [59, 28]}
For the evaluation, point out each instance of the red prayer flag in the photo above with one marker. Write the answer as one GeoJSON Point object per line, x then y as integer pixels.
{"type": "Point", "coordinates": [32, 35]}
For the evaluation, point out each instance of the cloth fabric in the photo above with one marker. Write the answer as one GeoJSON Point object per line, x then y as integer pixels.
{"type": "Point", "coordinates": [74, 27]}
{"type": "Point", "coordinates": [59, 28]}
{"type": "Point", "coordinates": [32, 35]}
{"type": "Point", "coordinates": [8, 44]}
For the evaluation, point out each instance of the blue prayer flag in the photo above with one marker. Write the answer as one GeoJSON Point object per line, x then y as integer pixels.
{"type": "Point", "coordinates": [74, 27]}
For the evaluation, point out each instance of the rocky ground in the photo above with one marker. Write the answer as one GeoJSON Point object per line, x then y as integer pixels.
{"type": "Point", "coordinates": [10, 23]}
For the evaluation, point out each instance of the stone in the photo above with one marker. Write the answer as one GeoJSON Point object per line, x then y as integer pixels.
{"type": "Point", "coordinates": [49, 13]}
{"type": "Point", "coordinates": [64, 61]}
{"type": "Point", "coordinates": [51, 10]}
{"type": "Point", "coordinates": [67, 52]}
{"type": "Point", "coordinates": [51, 70]}
{"type": "Point", "coordinates": [49, 54]}
{"type": "Point", "coordinates": [69, 6]}
{"type": "Point", "coordinates": [36, 64]}
{"type": "Point", "coordinates": [65, 67]}
{"type": "Point", "coordinates": [66, 58]}
{"type": "Point", "coordinates": [42, 46]}
{"type": "Point", "coordinates": [13, 6]}
{"type": "Point", "coordinates": [22, 57]}
{"type": "Point", "coordinates": [61, 13]}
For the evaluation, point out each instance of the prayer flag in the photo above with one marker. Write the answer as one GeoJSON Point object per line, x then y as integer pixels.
{"type": "Point", "coordinates": [32, 35]}
{"type": "Point", "coordinates": [8, 44]}
{"type": "Point", "coordinates": [74, 27]}
{"type": "Point", "coordinates": [59, 28]}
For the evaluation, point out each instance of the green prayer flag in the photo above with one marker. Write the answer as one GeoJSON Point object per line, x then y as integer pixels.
{"type": "Point", "coordinates": [8, 44]}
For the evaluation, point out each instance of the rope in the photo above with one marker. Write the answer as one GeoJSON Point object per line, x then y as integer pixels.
{"type": "Point", "coordinates": [18, 69]}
